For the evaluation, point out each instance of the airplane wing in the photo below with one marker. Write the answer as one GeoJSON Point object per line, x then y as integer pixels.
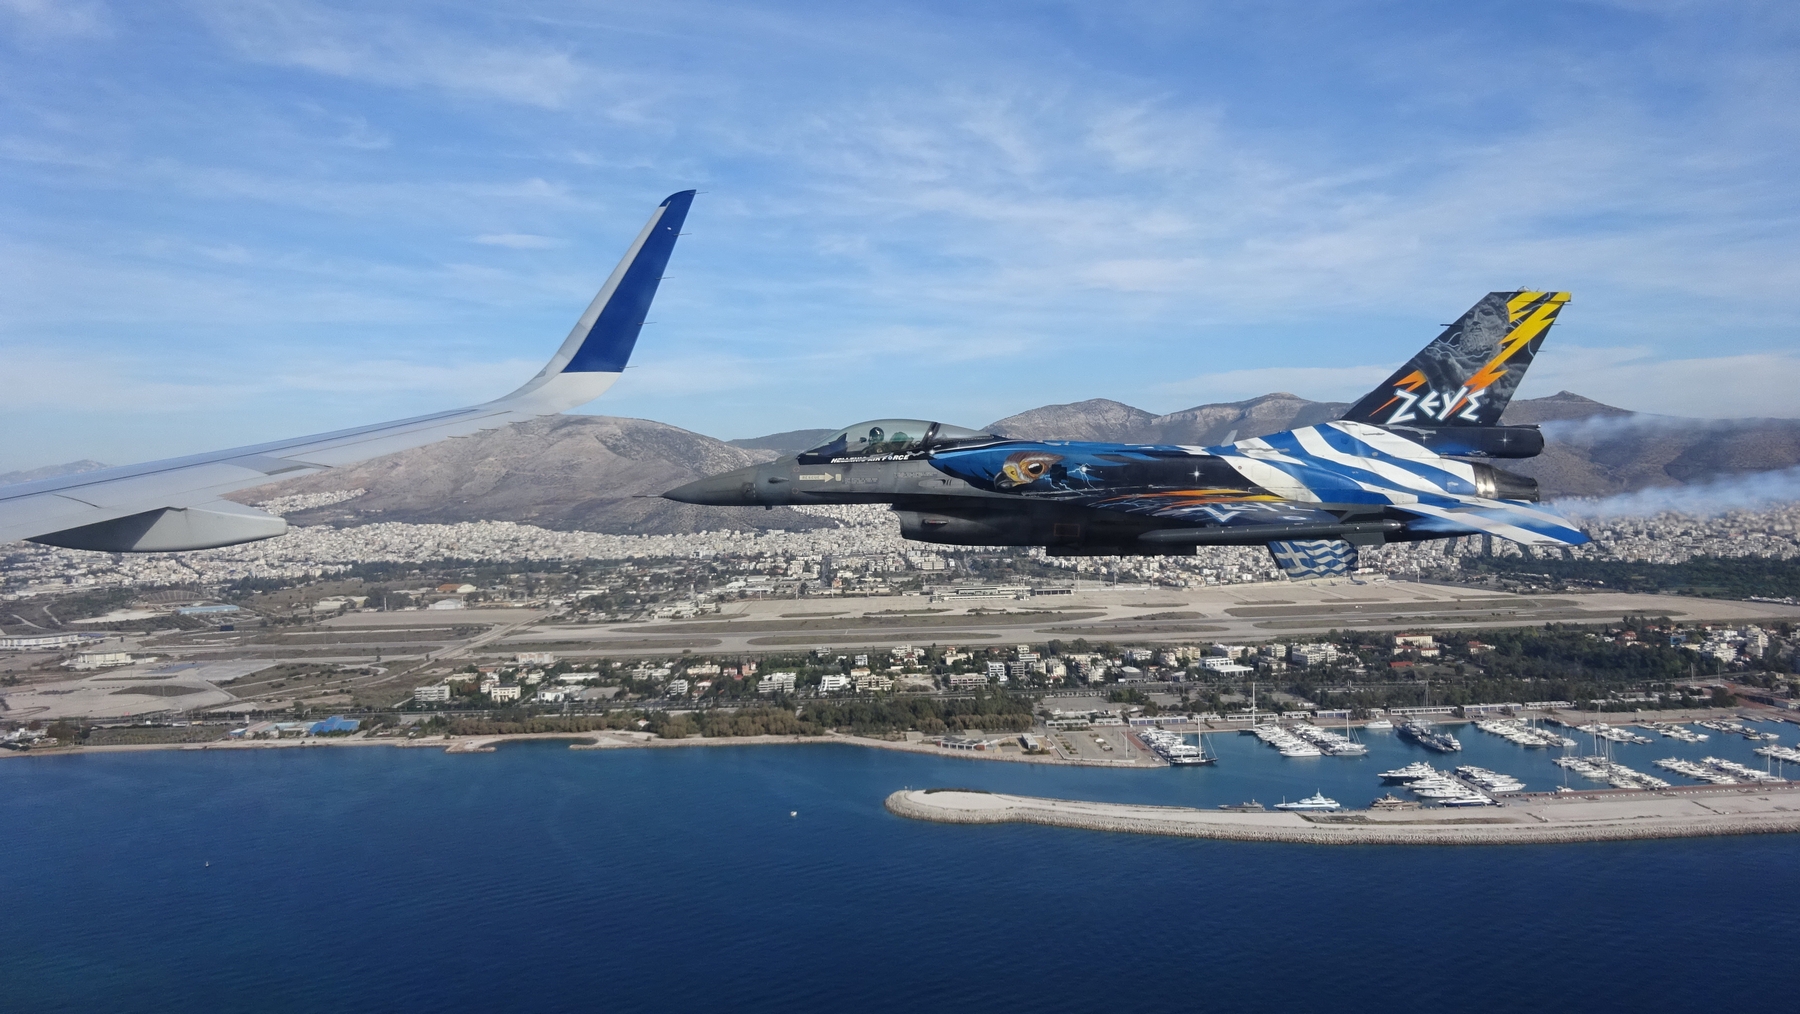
{"type": "Point", "coordinates": [164, 506]}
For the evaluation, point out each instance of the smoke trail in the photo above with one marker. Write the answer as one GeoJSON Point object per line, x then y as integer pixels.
{"type": "Point", "coordinates": [1594, 429]}
{"type": "Point", "coordinates": [1705, 499]}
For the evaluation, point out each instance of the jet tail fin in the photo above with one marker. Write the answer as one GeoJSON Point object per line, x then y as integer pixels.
{"type": "Point", "coordinates": [1466, 376]}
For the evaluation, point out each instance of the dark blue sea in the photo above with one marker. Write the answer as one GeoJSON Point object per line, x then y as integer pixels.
{"type": "Point", "coordinates": [538, 878]}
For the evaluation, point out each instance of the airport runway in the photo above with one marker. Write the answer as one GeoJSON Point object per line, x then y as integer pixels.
{"type": "Point", "coordinates": [1235, 614]}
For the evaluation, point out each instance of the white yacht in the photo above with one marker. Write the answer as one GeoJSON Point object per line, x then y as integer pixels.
{"type": "Point", "coordinates": [1314, 803]}
{"type": "Point", "coordinates": [1472, 799]}
{"type": "Point", "coordinates": [1378, 725]}
{"type": "Point", "coordinates": [1493, 781]}
{"type": "Point", "coordinates": [1438, 788]}
{"type": "Point", "coordinates": [1411, 772]}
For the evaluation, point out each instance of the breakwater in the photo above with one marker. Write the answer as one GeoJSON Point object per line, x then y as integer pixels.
{"type": "Point", "coordinates": [1557, 819]}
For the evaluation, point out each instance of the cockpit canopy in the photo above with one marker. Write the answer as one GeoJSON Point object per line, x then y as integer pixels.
{"type": "Point", "coordinates": [889, 436]}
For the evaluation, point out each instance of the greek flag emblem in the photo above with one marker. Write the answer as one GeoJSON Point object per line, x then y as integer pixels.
{"type": "Point", "coordinates": [1314, 558]}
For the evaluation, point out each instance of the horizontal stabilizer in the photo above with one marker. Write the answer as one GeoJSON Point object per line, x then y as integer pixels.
{"type": "Point", "coordinates": [1314, 558]}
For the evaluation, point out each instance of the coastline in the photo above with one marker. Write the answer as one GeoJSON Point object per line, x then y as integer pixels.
{"type": "Point", "coordinates": [1548, 820]}
{"type": "Point", "coordinates": [599, 740]}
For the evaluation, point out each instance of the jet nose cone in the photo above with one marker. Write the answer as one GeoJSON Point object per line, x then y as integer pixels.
{"type": "Point", "coordinates": [729, 489]}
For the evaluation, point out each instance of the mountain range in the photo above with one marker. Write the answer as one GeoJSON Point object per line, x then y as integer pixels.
{"type": "Point", "coordinates": [602, 473]}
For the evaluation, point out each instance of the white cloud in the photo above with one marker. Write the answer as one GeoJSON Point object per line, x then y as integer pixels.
{"type": "Point", "coordinates": [143, 385]}
{"type": "Point", "coordinates": [397, 53]}
{"type": "Point", "coordinates": [519, 241]}
{"type": "Point", "coordinates": [53, 18]}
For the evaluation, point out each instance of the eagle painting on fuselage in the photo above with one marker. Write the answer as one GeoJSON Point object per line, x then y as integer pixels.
{"type": "Point", "coordinates": [1401, 465]}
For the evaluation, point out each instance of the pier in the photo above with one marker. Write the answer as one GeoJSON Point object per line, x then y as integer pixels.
{"type": "Point", "coordinates": [1694, 811]}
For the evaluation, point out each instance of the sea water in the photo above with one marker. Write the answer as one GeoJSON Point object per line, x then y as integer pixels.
{"type": "Point", "coordinates": [770, 878]}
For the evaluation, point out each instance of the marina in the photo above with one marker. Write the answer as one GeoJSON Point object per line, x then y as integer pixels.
{"type": "Point", "coordinates": [1492, 781]}
{"type": "Point", "coordinates": [1738, 728]}
{"type": "Point", "coordinates": [1780, 753]}
{"type": "Point", "coordinates": [1288, 744]}
{"type": "Point", "coordinates": [1699, 771]}
{"type": "Point", "coordinates": [1515, 731]}
{"type": "Point", "coordinates": [1493, 766]}
{"type": "Point", "coordinates": [1329, 742]}
{"type": "Point", "coordinates": [1174, 747]}
{"type": "Point", "coordinates": [1605, 769]}
{"type": "Point", "coordinates": [1741, 772]}
{"type": "Point", "coordinates": [1613, 733]}
{"type": "Point", "coordinates": [1670, 730]}
{"type": "Point", "coordinates": [1462, 789]}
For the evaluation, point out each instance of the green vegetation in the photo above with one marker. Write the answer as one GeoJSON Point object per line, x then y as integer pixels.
{"type": "Point", "coordinates": [1704, 576]}
{"type": "Point", "coordinates": [139, 735]}
{"type": "Point", "coordinates": [995, 711]}
{"type": "Point", "coordinates": [67, 733]}
{"type": "Point", "coordinates": [726, 724]}
{"type": "Point", "coordinates": [1563, 662]}
{"type": "Point", "coordinates": [516, 724]}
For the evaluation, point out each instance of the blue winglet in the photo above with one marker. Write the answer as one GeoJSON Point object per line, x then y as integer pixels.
{"type": "Point", "coordinates": [608, 344]}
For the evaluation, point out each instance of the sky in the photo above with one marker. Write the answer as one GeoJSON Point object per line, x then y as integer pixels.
{"type": "Point", "coordinates": [222, 223]}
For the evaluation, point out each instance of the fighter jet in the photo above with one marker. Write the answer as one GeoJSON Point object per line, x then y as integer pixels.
{"type": "Point", "coordinates": [1402, 465]}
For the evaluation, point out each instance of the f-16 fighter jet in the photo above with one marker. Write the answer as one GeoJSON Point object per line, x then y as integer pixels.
{"type": "Point", "coordinates": [1402, 465]}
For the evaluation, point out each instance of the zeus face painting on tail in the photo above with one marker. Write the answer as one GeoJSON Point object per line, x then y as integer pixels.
{"type": "Point", "coordinates": [1405, 463]}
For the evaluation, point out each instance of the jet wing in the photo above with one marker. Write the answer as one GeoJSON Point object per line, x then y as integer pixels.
{"type": "Point", "coordinates": [175, 504]}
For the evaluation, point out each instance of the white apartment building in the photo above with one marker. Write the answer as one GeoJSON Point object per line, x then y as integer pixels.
{"type": "Point", "coordinates": [504, 692]}
{"type": "Point", "coordinates": [776, 682]}
{"type": "Point", "coordinates": [832, 683]}
{"type": "Point", "coordinates": [1312, 654]}
{"type": "Point", "coordinates": [40, 641]}
{"type": "Point", "coordinates": [436, 693]}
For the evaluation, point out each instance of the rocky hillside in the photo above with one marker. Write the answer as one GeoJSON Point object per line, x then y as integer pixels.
{"type": "Point", "coordinates": [791, 442]}
{"type": "Point", "coordinates": [1100, 419]}
{"type": "Point", "coordinates": [50, 471]}
{"type": "Point", "coordinates": [1094, 419]}
{"type": "Point", "coordinates": [572, 472]}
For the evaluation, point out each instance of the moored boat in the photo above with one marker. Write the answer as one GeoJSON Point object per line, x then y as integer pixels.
{"type": "Point", "coordinates": [1313, 803]}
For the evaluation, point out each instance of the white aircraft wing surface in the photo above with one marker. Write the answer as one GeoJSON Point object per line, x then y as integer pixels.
{"type": "Point", "coordinates": [162, 506]}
